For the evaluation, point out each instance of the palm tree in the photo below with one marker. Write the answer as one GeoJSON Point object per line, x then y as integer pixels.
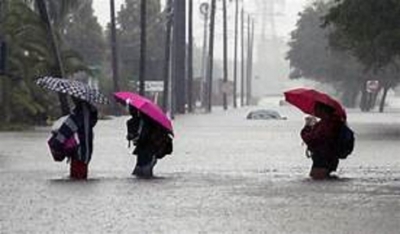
{"type": "Point", "coordinates": [29, 57]}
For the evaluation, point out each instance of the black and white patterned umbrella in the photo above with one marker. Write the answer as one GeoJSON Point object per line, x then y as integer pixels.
{"type": "Point", "coordinates": [74, 88]}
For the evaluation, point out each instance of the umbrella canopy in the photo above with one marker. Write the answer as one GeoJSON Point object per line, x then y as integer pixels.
{"type": "Point", "coordinates": [146, 107]}
{"type": "Point", "coordinates": [305, 100]}
{"type": "Point", "coordinates": [74, 88]}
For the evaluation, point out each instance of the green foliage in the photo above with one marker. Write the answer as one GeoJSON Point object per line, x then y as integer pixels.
{"type": "Point", "coordinates": [370, 29]}
{"type": "Point", "coordinates": [61, 10]}
{"type": "Point", "coordinates": [29, 56]}
{"type": "Point", "coordinates": [308, 52]}
{"type": "Point", "coordinates": [128, 34]}
{"type": "Point", "coordinates": [311, 56]}
{"type": "Point", "coordinates": [83, 33]}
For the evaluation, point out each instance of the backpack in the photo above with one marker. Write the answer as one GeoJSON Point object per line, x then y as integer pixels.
{"type": "Point", "coordinates": [166, 147]}
{"type": "Point", "coordinates": [62, 149]}
{"type": "Point", "coordinates": [345, 143]}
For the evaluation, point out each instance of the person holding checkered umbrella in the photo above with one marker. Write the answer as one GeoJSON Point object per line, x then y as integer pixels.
{"type": "Point", "coordinates": [77, 127]}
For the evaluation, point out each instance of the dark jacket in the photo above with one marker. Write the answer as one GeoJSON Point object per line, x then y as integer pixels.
{"type": "Point", "coordinates": [86, 119]}
{"type": "Point", "coordinates": [132, 126]}
{"type": "Point", "coordinates": [322, 138]}
{"type": "Point", "coordinates": [152, 139]}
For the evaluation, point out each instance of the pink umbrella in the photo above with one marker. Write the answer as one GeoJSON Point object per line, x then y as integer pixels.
{"type": "Point", "coordinates": [145, 106]}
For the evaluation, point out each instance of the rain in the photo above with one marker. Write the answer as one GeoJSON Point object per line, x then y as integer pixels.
{"type": "Point", "coordinates": [222, 96]}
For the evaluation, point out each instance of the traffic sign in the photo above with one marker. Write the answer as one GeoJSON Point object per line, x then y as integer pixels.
{"type": "Point", "coordinates": [372, 86]}
{"type": "Point", "coordinates": [154, 86]}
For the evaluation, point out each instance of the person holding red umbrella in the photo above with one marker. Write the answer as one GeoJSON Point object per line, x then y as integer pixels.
{"type": "Point", "coordinates": [329, 138]}
{"type": "Point", "coordinates": [321, 139]}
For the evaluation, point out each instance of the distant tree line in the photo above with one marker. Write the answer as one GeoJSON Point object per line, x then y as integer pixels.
{"type": "Point", "coordinates": [84, 49]}
{"type": "Point", "coordinates": [345, 43]}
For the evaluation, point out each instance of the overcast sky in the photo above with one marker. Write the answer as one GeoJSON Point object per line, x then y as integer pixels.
{"type": "Point", "coordinates": [285, 19]}
{"type": "Point", "coordinates": [102, 10]}
{"type": "Point", "coordinates": [284, 22]}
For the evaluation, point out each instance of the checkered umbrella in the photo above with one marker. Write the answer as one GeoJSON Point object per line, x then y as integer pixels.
{"type": "Point", "coordinates": [73, 88]}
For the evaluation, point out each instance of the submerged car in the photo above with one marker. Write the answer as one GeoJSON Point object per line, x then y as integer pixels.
{"type": "Point", "coordinates": [264, 114]}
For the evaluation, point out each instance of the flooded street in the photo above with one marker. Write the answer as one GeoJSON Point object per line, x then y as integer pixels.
{"type": "Point", "coordinates": [226, 175]}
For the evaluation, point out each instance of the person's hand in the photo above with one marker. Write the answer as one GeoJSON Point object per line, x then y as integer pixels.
{"type": "Point", "coordinates": [310, 120]}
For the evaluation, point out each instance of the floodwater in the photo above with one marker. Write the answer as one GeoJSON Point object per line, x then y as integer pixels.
{"type": "Point", "coordinates": [226, 175]}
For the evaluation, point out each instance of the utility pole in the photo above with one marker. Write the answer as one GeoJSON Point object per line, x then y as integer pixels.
{"type": "Point", "coordinates": [268, 43]}
{"type": "Point", "coordinates": [114, 47]}
{"type": "Point", "coordinates": [211, 57]}
{"type": "Point", "coordinates": [3, 55]}
{"type": "Point", "coordinates": [5, 83]}
{"type": "Point", "coordinates": [167, 56]}
{"type": "Point", "coordinates": [56, 51]}
{"type": "Point", "coordinates": [250, 39]}
{"type": "Point", "coordinates": [242, 62]}
{"type": "Point", "coordinates": [179, 54]}
{"type": "Point", "coordinates": [142, 65]}
{"type": "Point", "coordinates": [114, 53]}
{"type": "Point", "coordinates": [235, 55]}
{"type": "Point", "coordinates": [225, 99]}
{"type": "Point", "coordinates": [204, 10]}
{"type": "Point", "coordinates": [248, 61]}
{"type": "Point", "coordinates": [190, 58]}
{"type": "Point", "coordinates": [250, 85]}
{"type": "Point", "coordinates": [3, 48]}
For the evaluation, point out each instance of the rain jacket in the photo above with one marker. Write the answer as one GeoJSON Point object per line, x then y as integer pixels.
{"type": "Point", "coordinates": [322, 138]}
{"type": "Point", "coordinates": [152, 139]}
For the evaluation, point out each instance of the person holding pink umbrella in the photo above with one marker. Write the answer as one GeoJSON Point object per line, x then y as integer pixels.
{"type": "Point", "coordinates": [149, 129]}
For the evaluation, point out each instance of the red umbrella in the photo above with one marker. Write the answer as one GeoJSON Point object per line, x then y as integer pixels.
{"type": "Point", "coordinates": [305, 100]}
{"type": "Point", "coordinates": [145, 106]}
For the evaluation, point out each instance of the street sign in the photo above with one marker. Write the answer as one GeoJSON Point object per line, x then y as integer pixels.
{"type": "Point", "coordinates": [372, 86]}
{"type": "Point", "coordinates": [204, 8]}
{"type": "Point", "coordinates": [154, 86]}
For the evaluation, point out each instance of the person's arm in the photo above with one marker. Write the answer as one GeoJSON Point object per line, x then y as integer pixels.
{"type": "Point", "coordinates": [132, 129]}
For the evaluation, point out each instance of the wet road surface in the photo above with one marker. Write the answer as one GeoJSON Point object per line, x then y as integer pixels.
{"type": "Point", "coordinates": [226, 175]}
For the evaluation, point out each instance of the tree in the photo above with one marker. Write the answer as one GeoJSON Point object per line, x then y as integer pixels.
{"type": "Point", "coordinates": [29, 57]}
{"type": "Point", "coordinates": [312, 57]}
{"type": "Point", "coordinates": [128, 31]}
{"type": "Point", "coordinates": [369, 30]}
{"type": "Point", "coordinates": [84, 34]}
